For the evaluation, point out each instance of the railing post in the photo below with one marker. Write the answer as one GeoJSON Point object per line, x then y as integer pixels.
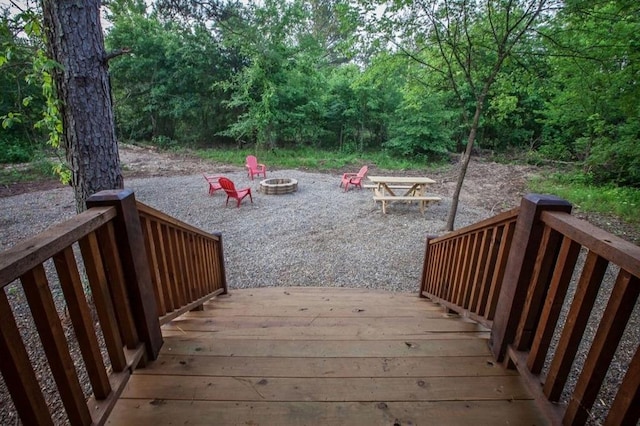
{"type": "Point", "coordinates": [519, 268]}
{"type": "Point", "coordinates": [131, 247]}
{"type": "Point", "coordinates": [425, 266]}
{"type": "Point", "coordinates": [223, 272]}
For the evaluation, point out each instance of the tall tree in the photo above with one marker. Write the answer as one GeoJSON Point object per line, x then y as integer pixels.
{"type": "Point", "coordinates": [592, 114]}
{"type": "Point", "coordinates": [74, 40]}
{"type": "Point", "coordinates": [467, 43]}
{"type": "Point", "coordinates": [167, 91]}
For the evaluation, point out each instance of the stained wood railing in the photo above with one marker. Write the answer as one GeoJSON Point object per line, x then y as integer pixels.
{"type": "Point", "coordinates": [543, 262]}
{"type": "Point", "coordinates": [103, 249]}
{"type": "Point", "coordinates": [463, 270]}
{"type": "Point", "coordinates": [186, 264]}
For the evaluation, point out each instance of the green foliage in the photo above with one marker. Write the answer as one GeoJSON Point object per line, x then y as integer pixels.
{"type": "Point", "coordinates": [280, 93]}
{"type": "Point", "coordinates": [357, 107]}
{"type": "Point", "coordinates": [578, 188]}
{"type": "Point", "coordinates": [592, 109]}
{"type": "Point", "coordinates": [616, 159]}
{"type": "Point", "coordinates": [29, 112]}
{"type": "Point", "coordinates": [164, 142]}
{"type": "Point", "coordinates": [310, 158]}
{"type": "Point", "coordinates": [51, 121]}
{"type": "Point", "coordinates": [14, 148]}
{"type": "Point", "coordinates": [421, 126]}
{"type": "Point", "coordinates": [313, 75]}
{"type": "Point", "coordinates": [165, 89]}
{"type": "Point", "coordinates": [513, 117]}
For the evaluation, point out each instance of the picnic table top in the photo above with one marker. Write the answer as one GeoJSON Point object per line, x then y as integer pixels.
{"type": "Point", "coordinates": [401, 179]}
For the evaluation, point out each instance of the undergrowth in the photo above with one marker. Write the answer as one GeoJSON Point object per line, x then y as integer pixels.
{"type": "Point", "coordinates": [28, 172]}
{"type": "Point", "coordinates": [307, 158]}
{"type": "Point", "coordinates": [578, 189]}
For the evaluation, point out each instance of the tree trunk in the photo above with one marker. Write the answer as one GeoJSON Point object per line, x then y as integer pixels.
{"type": "Point", "coordinates": [464, 163]}
{"type": "Point", "coordinates": [75, 41]}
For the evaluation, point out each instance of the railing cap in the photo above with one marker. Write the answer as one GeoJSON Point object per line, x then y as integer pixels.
{"type": "Point", "coordinates": [111, 194]}
{"type": "Point", "coordinates": [546, 200]}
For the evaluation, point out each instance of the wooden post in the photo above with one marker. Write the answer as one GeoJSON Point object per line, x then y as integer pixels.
{"type": "Point", "coordinates": [133, 256]}
{"type": "Point", "coordinates": [519, 268]}
{"type": "Point", "coordinates": [223, 273]}
{"type": "Point", "coordinates": [425, 265]}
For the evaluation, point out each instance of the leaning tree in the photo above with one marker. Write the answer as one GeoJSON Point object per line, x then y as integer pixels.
{"type": "Point", "coordinates": [75, 41]}
{"type": "Point", "coordinates": [466, 43]}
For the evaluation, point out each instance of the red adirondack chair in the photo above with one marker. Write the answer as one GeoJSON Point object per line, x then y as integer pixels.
{"type": "Point", "coordinates": [228, 187]}
{"type": "Point", "coordinates": [255, 168]}
{"type": "Point", "coordinates": [212, 180]}
{"type": "Point", "coordinates": [354, 179]}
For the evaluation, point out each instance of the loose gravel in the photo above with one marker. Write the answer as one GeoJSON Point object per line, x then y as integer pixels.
{"type": "Point", "coordinates": [317, 236]}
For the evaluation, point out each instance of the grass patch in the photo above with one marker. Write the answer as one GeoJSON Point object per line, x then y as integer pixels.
{"type": "Point", "coordinates": [307, 158]}
{"type": "Point", "coordinates": [577, 189]}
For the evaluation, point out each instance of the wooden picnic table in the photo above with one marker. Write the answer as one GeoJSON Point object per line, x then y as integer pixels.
{"type": "Point", "coordinates": [387, 189]}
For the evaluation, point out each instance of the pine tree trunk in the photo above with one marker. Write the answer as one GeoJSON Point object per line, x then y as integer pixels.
{"type": "Point", "coordinates": [75, 40]}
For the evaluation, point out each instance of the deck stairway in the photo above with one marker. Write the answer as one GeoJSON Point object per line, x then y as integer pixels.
{"type": "Point", "coordinates": [300, 356]}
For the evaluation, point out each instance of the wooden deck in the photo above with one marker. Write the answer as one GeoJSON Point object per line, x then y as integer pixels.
{"type": "Point", "coordinates": [300, 356]}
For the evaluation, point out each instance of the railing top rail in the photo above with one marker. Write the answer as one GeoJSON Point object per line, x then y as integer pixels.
{"type": "Point", "coordinates": [144, 209]}
{"type": "Point", "coordinates": [25, 255]}
{"type": "Point", "coordinates": [604, 244]}
{"type": "Point", "coordinates": [495, 220]}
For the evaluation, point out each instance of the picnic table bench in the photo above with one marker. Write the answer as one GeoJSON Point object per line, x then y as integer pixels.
{"type": "Point", "coordinates": [424, 200]}
{"type": "Point", "coordinates": [411, 189]}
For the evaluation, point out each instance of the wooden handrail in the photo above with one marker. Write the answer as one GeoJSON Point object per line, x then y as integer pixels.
{"type": "Point", "coordinates": [613, 248]}
{"type": "Point", "coordinates": [463, 270]}
{"type": "Point", "coordinates": [25, 255]}
{"type": "Point", "coordinates": [186, 263]}
{"type": "Point", "coordinates": [77, 247]}
{"type": "Point", "coordinates": [544, 257]}
{"type": "Point", "coordinates": [539, 320]}
{"type": "Point", "coordinates": [479, 226]}
{"type": "Point", "coordinates": [100, 262]}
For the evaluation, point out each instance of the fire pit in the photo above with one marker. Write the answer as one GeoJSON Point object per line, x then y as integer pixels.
{"type": "Point", "coordinates": [278, 186]}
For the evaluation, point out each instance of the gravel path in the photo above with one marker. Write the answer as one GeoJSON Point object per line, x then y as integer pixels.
{"type": "Point", "coordinates": [318, 236]}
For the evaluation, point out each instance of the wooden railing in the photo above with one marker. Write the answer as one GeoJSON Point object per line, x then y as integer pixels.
{"type": "Point", "coordinates": [103, 250]}
{"type": "Point", "coordinates": [542, 263]}
{"type": "Point", "coordinates": [464, 269]}
{"type": "Point", "coordinates": [186, 264]}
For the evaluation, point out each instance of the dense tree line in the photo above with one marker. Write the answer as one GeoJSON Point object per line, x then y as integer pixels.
{"type": "Point", "coordinates": [22, 66]}
{"type": "Point", "coordinates": [403, 76]}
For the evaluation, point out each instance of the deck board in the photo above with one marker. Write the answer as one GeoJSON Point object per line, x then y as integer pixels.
{"type": "Point", "coordinates": [290, 356]}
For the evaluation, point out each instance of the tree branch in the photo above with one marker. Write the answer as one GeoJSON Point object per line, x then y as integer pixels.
{"type": "Point", "coordinates": [115, 53]}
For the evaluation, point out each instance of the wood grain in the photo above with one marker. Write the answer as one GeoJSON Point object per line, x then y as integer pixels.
{"type": "Point", "coordinates": [324, 356]}
{"type": "Point", "coordinates": [451, 413]}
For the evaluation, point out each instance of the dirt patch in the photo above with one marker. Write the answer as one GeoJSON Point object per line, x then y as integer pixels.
{"type": "Point", "coordinates": [25, 187]}
{"type": "Point", "coordinates": [139, 161]}
{"type": "Point", "coordinates": [493, 186]}
{"type": "Point", "coordinates": [136, 161]}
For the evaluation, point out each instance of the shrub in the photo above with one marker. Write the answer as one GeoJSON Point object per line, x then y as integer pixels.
{"type": "Point", "coordinates": [14, 149]}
